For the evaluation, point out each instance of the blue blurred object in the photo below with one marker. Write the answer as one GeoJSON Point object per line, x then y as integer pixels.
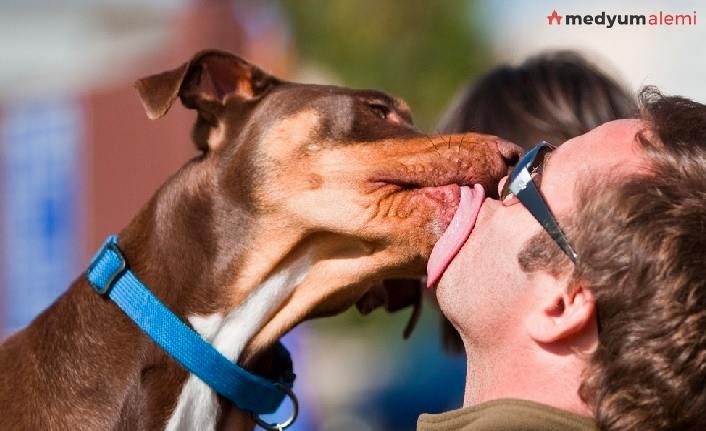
{"type": "Point", "coordinates": [306, 419]}
{"type": "Point", "coordinates": [427, 380]}
{"type": "Point", "coordinates": [41, 165]}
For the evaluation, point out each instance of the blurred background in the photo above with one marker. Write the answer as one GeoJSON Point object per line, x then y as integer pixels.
{"type": "Point", "coordinates": [78, 157]}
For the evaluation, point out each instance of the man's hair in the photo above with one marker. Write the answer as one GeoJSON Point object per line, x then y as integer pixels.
{"type": "Point", "coordinates": [552, 96]}
{"type": "Point", "coordinates": [641, 243]}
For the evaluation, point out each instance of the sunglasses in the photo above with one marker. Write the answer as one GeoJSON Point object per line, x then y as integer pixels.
{"type": "Point", "coordinates": [522, 185]}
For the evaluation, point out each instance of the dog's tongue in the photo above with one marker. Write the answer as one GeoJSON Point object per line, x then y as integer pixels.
{"type": "Point", "coordinates": [456, 234]}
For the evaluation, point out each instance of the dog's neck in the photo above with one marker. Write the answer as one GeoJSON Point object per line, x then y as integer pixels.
{"type": "Point", "coordinates": [164, 251]}
{"type": "Point", "coordinates": [185, 246]}
{"type": "Point", "coordinates": [197, 406]}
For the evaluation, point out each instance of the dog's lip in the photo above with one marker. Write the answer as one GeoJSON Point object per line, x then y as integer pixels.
{"type": "Point", "coordinates": [440, 203]}
{"type": "Point", "coordinates": [431, 178]}
{"type": "Point", "coordinates": [438, 199]}
{"type": "Point", "coordinates": [447, 198]}
{"type": "Point", "coordinates": [394, 295]}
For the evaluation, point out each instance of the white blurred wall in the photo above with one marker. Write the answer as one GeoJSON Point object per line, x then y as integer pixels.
{"type": "Point", "coordinates": [670, 57]}
{"type": "Point", "coordinates": [62, 47]}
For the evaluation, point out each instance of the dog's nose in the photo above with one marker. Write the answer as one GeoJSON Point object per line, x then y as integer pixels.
{"type": "Point", "coordinates": [510, 154]}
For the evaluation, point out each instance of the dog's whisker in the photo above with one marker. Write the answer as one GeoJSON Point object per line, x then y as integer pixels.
{"type": "Point", "coordinates": [461, 141]}
{"type": "Point", "coordinates": [431, 141]}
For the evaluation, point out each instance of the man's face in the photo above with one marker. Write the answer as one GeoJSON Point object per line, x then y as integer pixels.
{"type": "Point", "coordinates": [484, 292]}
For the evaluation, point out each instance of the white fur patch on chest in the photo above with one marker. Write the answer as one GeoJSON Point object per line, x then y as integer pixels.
{"type": "Point", "coordinates": [197, 406]}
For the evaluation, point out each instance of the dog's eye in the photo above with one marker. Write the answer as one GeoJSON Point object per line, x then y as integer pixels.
{"type": "Point", "coordinates": [382, 111]}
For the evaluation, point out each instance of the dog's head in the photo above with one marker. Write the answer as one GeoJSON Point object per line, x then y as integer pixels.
{"type": "Point", "coordinates": [333, 181]}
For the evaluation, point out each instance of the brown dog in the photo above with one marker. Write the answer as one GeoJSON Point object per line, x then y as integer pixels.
{"type": "Point", "coordinates": [303, 198]}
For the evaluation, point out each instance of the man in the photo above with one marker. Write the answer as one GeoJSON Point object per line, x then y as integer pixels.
{"type": "Point", "coordinates": [581, 296]}
{"type": "Point", "coordinates": [552, 96]}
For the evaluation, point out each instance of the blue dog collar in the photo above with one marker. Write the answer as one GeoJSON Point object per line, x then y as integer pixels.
{"type": "Point", "coordinates": [110, 276]}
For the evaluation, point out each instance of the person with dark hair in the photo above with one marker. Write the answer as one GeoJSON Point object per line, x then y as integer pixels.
{"type": "Point", "coordinates": [580, 294]}
{"type": "Point", "coordinates": [553, 96]}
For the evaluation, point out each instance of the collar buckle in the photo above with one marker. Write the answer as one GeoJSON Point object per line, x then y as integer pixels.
{"type": "Point", "coordinates": [106, 268]}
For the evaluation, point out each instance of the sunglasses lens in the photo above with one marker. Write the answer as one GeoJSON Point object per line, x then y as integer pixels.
{"type": "Point", "coordinates": [538, 163]}
{"type": "Point", "coordinates": [533, 165]}
{"type": "Point", "coordinates": [506, 189]}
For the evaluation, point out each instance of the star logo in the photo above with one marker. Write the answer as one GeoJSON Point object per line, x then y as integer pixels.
{"type": "Point", "coordinates": [554, 16]}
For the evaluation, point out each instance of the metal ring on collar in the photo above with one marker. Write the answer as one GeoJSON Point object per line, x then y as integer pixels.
{"type": "Point", "coordinates": [284, 425]}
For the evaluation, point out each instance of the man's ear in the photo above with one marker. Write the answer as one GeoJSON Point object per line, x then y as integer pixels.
{"type": "Point", "coordinates": [562, 312]}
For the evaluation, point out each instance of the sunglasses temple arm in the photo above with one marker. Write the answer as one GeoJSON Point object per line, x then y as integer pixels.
{"type": "Point", "coordinates": [537, 206]}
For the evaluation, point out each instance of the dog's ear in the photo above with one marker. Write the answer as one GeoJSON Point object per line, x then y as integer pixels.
{"type": "Point", "coordinates": [205, 82]}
